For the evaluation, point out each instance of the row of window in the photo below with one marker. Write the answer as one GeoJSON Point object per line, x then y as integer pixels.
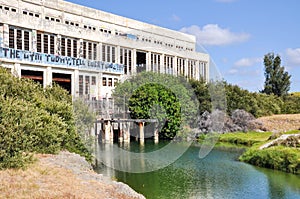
{"type": "Point", "coordinates": [53, 44]}
{"type": "Point", "coordinates": [85, 83]}
{"type": "Point", "coordinates": [109, 81]}
{"type": "Point", "coordinates": [89, 27]}
{"type": "Point", "coordinates": [7, 8]}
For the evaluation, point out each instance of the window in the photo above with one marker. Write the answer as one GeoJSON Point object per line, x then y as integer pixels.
{"type": "Point", "coordinates": [155, 62]}
{"type": "Point", "coordinates": [63, 46]}
{"type": "Point", "coordinates": [52, 46]}
{"type": "Point", "coordinates": [39, 42]}
{"type": "Point", "coordinates": [89, 50]}
{"type": "Point", "coordinates": [26, 40]}
{"type": "Point", "coordinates": [80, 85]}
{"type": "Point", "coordinates": [84, 50]}
{"type": "Point", "coordinates": [69, 48]}
{"type": "Point", "coordinates": [46, 44]}
{"type": "Point", "coordinates": [90, 55]}
{"type": "Point", "coordinates": [125, 59]}
{"type": "Point", "coordinates": [87, 85]}
{"type": "Point", "coordinates": [113, 54]}
{"type": "Point", "coordinates": [108, 53]}
{"type": "Point", "coordinates": [12, 38]}
{"type": "Point", "coordinates": [110, 82]}
{"type": "Point", "coordinates": [95, 51]}
{"type": "Point", "coordinates": [169, 64]}
{"type": "Point", "coordinates": [180, 66]}
{"type": "Point", "coordinates": [19, 38]}
{"type": "Point", "coordinates": [104, 82]}
{"type": "Point", "coordinates": [93, 80]}
{"type": "Point", "coordinates": [74, 48]}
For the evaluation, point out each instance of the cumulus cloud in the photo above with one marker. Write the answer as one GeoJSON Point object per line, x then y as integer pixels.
{"type": "Point", "coordinates": [293, 56]}
{"type": "Point", "coordinates": [248, 61]}
{"type": "Point", "coordinates": [212, 34]}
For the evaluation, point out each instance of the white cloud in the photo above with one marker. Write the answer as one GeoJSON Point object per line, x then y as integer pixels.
{"type": "Point", "coordinates": [247, 62]}
{"type": "Point", "coordinates": [293, 57]}
{"type": "Point", "coordinates": [212, 34]}
{"type": "Point", "coordinates": [233, 71]}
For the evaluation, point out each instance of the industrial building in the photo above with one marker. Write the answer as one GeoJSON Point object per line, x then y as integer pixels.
{"type": "Point", "coordinates": [87, 51]}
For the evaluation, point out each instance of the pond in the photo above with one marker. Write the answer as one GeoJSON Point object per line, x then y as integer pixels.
{"type": "Point", "coordinates": [218, 175]}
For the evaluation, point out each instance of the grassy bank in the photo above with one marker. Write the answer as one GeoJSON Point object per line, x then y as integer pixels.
{"type": "Point", "coordinates": [280, 157]}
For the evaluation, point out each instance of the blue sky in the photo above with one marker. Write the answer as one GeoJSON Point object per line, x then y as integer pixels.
{"type": "Point", "coordinates": [236, 33]}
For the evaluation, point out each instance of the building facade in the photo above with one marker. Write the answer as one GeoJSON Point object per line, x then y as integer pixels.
{"type": "Point", "coordinates": [87, 51]}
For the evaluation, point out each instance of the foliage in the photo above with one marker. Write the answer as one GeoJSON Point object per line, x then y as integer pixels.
{"type": "Point", "coordinates": [84, 120]}
{"type": "Point", "coordinates": [277, 80]}
{"type": "Point", "coordinates": [279, 158]}
{"type": "Point", "coordinates": [155, 101]}
{"type": "Point", "coordinates": [34, 120]}
{"type": "Point", "coordinates": [276, 157]}
{"type": "Point", "coordinates": [291, 104]}
{"type": "Point", "coordinates": [176, 87]}
{"type": "Point", "coordinates": [258, 104]}
{"type": "Point", "coordinates": [201, 91]}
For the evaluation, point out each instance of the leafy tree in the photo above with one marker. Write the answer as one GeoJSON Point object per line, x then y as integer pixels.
{"type": "Point", "coordinates": [201, 91]}
{"type": "Point", "coordinates": [277, 80]}
{"type": "Point", "coordinates": [148, 91]}
{"type": "Point", "coordinates": [155, 101]}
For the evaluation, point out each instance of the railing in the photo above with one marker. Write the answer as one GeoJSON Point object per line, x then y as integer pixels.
{"type": "Point", "coordinates": [108, 109]}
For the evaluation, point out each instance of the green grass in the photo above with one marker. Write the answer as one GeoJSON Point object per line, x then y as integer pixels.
{"type": "Point", "coordinates": [245, 139]}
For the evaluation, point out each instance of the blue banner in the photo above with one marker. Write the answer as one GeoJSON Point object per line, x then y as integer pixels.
{"type": "Point", "coordinates": [36, 57]}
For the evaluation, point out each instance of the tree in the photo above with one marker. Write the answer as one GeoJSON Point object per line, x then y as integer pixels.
{"type": "Point", "coordinates": [156, 101]}
{"type": "Point", "coordinates": [277, 80]}
{"type": "Point", "coordinates": [159, 96]}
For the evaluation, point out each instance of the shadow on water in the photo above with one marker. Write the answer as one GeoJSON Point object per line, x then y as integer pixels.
{"type": "Point", "coordinates": [218, 175]}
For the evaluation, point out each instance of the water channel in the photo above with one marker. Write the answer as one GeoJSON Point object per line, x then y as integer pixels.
{"type": "Point", "coordinates": [218, 175]}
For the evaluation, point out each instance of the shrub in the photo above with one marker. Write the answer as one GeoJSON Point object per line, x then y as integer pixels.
{"type": "Point", "coordinates": [33, 119]}
{"type": "Point", "coordinates": [279, 158]}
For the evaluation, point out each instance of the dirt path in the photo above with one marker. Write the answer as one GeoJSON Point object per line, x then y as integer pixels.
{"type": "Point", "coordinates": [66, 175]}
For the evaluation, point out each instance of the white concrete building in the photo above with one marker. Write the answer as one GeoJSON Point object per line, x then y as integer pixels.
{"type": "Point", "coordinates": [87, 50]}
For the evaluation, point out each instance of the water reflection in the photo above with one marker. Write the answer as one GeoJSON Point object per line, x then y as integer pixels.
{"type": "Point", "coordinates": [218, 175]}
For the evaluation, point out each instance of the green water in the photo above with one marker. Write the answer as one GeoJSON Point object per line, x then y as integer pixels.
{"type": "Point", "coordinates": [218, 175]}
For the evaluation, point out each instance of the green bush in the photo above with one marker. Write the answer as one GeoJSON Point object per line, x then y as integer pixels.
{"type": "Point", "coordinates": [279, 158]}
{"type": "Point", "coordinates": [33, 119]}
